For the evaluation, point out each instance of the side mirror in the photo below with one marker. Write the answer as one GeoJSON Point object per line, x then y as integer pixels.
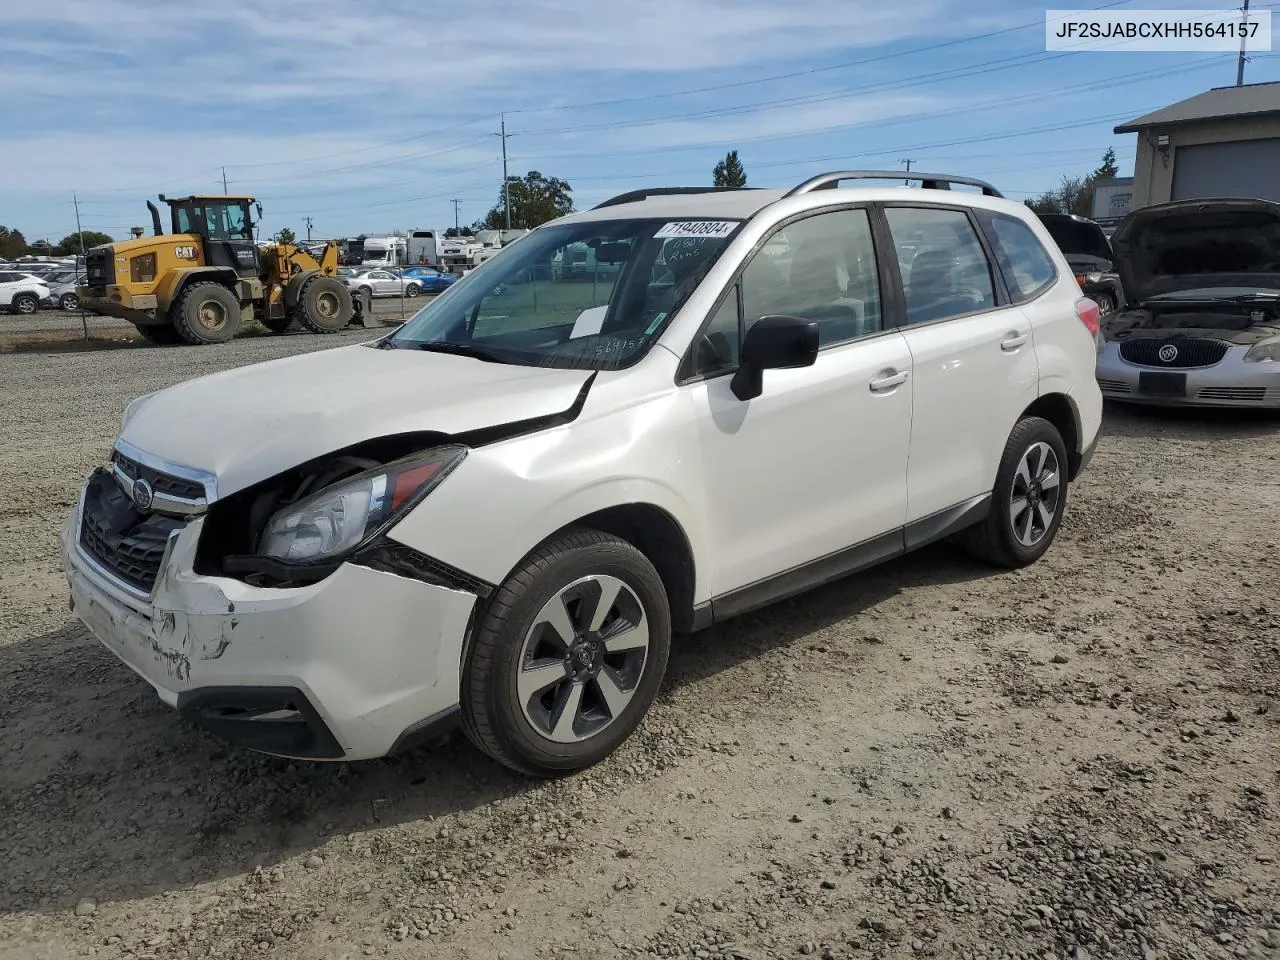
{"type": "Point", "coordinates": [774, 343]}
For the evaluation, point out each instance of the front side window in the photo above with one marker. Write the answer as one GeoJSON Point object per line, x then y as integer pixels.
{"type": "Point", "coordinates": [226, 222]}
{"type": "Point", "coordinates": [593, 295]}
{"type": "Point", "coordinates": [945, 271]}
{"type": "Point", "coordinates": [821, 268]}
{"type": "Point", "coordinates": [1028, 269]}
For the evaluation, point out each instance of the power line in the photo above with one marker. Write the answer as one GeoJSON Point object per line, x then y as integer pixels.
{"type": "Point", "coordinates": [803, 73]}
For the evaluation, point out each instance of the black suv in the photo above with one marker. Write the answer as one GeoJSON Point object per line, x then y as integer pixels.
{"type": "Point", "coordinates": [1088, 253]}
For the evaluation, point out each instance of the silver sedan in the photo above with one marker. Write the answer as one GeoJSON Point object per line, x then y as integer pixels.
{"type": "Point", "coordinates": [383, 283]}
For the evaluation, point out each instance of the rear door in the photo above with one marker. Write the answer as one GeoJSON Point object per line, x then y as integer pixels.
{"type": "Point", "coordinates": [973, 360]}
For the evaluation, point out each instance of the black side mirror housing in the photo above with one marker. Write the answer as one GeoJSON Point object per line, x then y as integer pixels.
{"type": "Point", "coordinates": [774, 343]}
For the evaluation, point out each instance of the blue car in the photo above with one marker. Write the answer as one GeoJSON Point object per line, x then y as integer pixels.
{"type": "Point", "coordinates": [432, 280]}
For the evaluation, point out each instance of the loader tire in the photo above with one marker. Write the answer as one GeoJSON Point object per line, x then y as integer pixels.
{"type": "Point", "coordinates": [277, 324]}
{"type": "Point", "coordinates": [161, 334]}
{"type": "Point", "coordinates": [324, 305]}
{"type": "Point", "coordinates": [206, 312]}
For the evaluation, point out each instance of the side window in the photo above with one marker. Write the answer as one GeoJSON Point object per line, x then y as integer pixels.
{"type": "Point", "coordinates": [1026, 265]}
{"type": "Point", "coordinates": [717, 349]}
{"type": "Point", "coordinates": [821, 268]}
{"type": "Point", "coordinates": [945, 271]}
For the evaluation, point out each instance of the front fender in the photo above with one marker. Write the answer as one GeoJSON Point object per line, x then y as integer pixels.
{"type": "Point", "coordinates": [171, 286]}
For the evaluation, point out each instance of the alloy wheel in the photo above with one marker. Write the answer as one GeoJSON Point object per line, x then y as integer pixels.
{"type": "Point", "coordinates": [1035, 495]}
{"type": "Point", "coordinates": [582, 659]}
{"type": "Point", "coordinates": [212, 315]}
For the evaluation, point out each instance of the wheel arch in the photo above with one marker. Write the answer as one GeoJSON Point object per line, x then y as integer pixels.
{"type": "Point", "coordinates": [1060, 410]}
{"type": "Point", "coordinates": [293, 289]}
{"type": "Point", "coordinates": [173, 285]}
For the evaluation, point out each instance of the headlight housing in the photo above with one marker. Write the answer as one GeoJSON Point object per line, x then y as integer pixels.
{"type": "Point", "coordinates": [1266, 352]}
{"type": "Point", "coordinates": [345, 514]}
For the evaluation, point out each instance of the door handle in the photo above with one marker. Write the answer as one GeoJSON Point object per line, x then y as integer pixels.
{"type": "Point", "coordinates": [888, 381]}
{"type": "Point", "coordinates": [1012, 341]}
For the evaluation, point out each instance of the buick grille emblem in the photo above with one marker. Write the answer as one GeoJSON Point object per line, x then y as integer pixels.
{"type": "Point", "coordinates": [142, 495]}
{"type": "Point", "coordinates": [1168, 353]}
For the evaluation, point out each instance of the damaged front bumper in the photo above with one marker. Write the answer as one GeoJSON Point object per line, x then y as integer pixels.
{"type": "Point", "coordinates": [351, 667]}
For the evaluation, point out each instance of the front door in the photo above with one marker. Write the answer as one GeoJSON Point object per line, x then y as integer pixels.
{"type": "Point", "coordinates": [973, 359]}
{"type": "Point", "coordinates": [817, 463]}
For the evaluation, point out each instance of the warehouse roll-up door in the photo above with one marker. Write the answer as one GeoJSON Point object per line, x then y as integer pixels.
{"type": "Point", "coordinates": [1245, 168]}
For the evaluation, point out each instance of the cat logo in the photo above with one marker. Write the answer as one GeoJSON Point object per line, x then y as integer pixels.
{"type": "Point", "coordinates": [185, 253]}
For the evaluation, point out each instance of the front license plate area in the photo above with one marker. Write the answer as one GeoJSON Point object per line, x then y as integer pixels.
{"type": "Point", "coordinates": [1163, 384]}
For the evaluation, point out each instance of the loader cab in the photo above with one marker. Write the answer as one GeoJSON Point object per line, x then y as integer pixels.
{"type": "Point", "coordinates": [225, 227]}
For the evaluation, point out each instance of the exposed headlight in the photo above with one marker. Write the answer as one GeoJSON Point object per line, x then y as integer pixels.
{"type": "Point", "coordinates": [132, 408]}
{"type": "Point", "coordinates": [342, 516]}
{"type": "Point", "coordinates": [1093, 277]}
{"type": "Point", "coordinates": [1266, 352]}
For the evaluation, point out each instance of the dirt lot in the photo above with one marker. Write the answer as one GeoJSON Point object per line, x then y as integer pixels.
{"type": "Point", "coordinates": [1077, 760]}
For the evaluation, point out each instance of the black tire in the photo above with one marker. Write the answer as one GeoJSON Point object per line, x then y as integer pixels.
{"type": "Point", "coordinates": [278, 324]}
{"type": "Point", "coordinates": [24, 303]}
{"type": "Point", "coordinates": [1106, 303]}
{"type": "Point", "coordinates": [324, 305]}
{"type": "Point", "coordinates": [996, 539]}
{"type": "Point", "coordinates": [493, 717]}
{"type": "Point", "coordinates": [161, 334]}
{"type": "Point", "coordinates": [206, 312]}
{"type": "Point", "coordinates": [69, 301]}
{"type": "Point", "coordinates": [412, 290]}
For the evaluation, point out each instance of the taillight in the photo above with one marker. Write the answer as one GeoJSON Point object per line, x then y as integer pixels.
{"type": "Point", "coordinates": [1090, 315]}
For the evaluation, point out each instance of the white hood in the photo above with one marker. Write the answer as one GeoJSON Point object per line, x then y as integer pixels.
{"type": "Point", "coordinates": [251, 423]}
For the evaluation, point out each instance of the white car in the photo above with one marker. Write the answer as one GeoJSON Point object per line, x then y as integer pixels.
{"type": "Point", "coordinates": [382, 283]}
{"type": "Point", "coordinates": [1202, 322]}
{"type": "Point", "coordinates": [21, 292]}
{"type": "Point", "coordinates": [501, 512]}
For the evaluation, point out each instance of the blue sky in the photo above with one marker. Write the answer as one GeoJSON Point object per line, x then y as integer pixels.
{"type": "Point", "coordinates": [371, 117]}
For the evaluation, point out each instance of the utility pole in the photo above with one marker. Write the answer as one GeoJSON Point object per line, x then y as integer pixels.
{"type": "Point", "coordinates": [506, 186]}
{"type": "Point", "coordinates": [224, 180]}
{"type": "Point", "coordinates": [1240, 65]}
{"type": "Point", "coordinates": [456, 229]}
{"type": "Point", "coordinates": [907, 161]}
{"type": "Point", "coordinates": [75, 201]}
{"type": "Point", "coordinates": [308, 221]}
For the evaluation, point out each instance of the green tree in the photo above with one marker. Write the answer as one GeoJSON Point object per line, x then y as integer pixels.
{"type": "Point", "coordinates": [1047, 202]}
{"type": "Point", "coordinates": [534, 198]}
{"type": "Point", "coordinates": [12, 244]}
{"type": "Point", "coordinates": [1108, 169]}
{"type": "Point", "coordinates": [729, 172]}
{"type": "Point", "coordinates": [453, 232]}
{"type": "Point", "coordinates": [285, 236]}
{"type": "Point", "coordinates": [70, 244]}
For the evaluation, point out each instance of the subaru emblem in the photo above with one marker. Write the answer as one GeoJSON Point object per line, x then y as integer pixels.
{"type": "Point", "coordinates": [1168, 353]}
{"type": "Point", "coordinates": [142, 495]}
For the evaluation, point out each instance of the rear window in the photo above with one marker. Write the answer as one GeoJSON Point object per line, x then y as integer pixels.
{"type": "Point", "coordinates": [1027, 266]}
{"type": "Point", "coordinates": [1075, 238]}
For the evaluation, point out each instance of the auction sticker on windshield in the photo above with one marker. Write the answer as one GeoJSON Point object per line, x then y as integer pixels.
{"type": "Point", "coordinates": [697, 228]}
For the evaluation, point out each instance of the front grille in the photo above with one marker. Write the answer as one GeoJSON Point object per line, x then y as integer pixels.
{"type": "Point", "coordinates": [1255, 394]}
{"type": "Point", "coordinates": [99, 267]}
{"type": "Point", "coordinates": [1113, 386]}
{"type": "Point", "coordinates": [128, 544]}
{"type": "Point", "coordinates": [160, 482]}
{"type": "Point", "coordinates": [1145, 352]}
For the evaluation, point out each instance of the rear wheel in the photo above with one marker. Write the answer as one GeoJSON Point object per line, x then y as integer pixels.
{"type": "Point", "coordinates": [24, 303]}
{"type": "Point", "coordinates": [69, 301]}
{"type": "Point", "coordinates": [160, 334]}
{"type": "Point", "coordinates": [206, 312]}
{"type": "Point", "coordinates": [324, 305]}
{"type": "Point", "coordinates": [568, 657]}
{"type": "Point", "coordinates": [1029, 497]}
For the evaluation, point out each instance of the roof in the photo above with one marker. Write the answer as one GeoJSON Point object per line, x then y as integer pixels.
{"type": "Point", "coordinates": [735, 204]}
{"type": "Point", "coordinates": [210, 196]}
{"type": "Point", "coordinates": [1221, 103]}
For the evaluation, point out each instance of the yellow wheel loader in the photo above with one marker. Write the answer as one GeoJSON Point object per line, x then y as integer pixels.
{"type": "Point", "coordinates": [207, 278]}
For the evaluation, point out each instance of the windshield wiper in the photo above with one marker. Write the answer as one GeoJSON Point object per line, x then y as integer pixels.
{"type": "Point", "coordinates": [463, 350]}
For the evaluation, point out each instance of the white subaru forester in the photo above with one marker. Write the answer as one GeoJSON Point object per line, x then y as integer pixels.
{"type": "Point", "coordinates": [636, 420]}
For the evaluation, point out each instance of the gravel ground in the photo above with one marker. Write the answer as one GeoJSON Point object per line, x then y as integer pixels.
{"type": "Point", "coordinates": [1078, 760]}
{"type": "Point", "coordinates": [71, 325]}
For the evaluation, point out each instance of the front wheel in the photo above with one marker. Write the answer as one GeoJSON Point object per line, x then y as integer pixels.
{"type": "Point", "coordinates": [412, 290]}
{"type": "Point", "coordinates": [1029, 497]}
{"type": "Point", "coordinates": [69, 301]}
{"type": "Point", "coordinates": [568, 656]}
{"type": "Point", "coordinates": [324, 305]}
{"type": "Point", "coordinates": [206, 312]}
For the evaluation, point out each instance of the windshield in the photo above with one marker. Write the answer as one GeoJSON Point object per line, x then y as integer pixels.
{"type": "Point", "coordinates": [590, 295]}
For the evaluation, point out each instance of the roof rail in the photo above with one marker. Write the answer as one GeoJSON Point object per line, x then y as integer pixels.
{"type": "Point", "coordinates": [930, 181]}
{"type": "Point", "coordinates": [636, 195]}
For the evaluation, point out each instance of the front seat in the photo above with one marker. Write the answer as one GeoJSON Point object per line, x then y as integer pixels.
{"type": "Point", "coordinates": [815, 292]}
{"type": "Point", "coordinates": [932, 294]}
